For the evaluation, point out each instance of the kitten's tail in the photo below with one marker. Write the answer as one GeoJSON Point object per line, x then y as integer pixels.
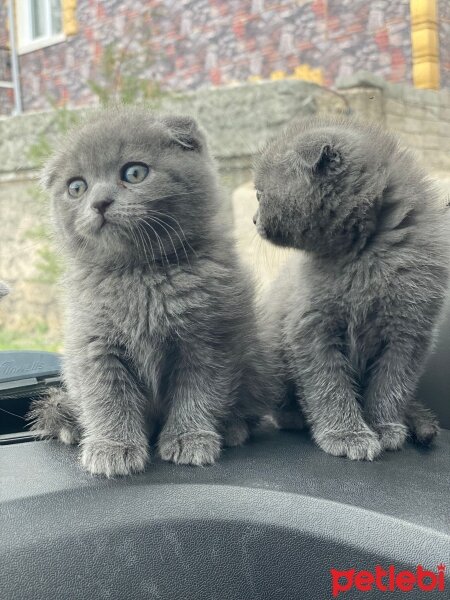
{"type": "Point", "coordinates": [422, 423]}
{"type": "Point", "coordinates": [52, 417]}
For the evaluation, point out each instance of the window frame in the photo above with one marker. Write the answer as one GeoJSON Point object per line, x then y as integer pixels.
{"type": "Point", "coordinates": [24, 26]}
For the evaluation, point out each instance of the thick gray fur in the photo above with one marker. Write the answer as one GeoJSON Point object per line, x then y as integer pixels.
{"type": "Point", "coordinates": [353, 318]}
{"type": "Point", "coordinates": [160, 336]}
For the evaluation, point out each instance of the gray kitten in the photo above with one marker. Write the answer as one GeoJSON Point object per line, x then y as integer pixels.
{"type": "Point", "coordinates": [353, 318]}
{"type": "Point", "coordinates": [160, 328]}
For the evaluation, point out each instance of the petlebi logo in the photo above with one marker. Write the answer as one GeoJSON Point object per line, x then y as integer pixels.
{"type": "Point", "coordinates": [388, 580]}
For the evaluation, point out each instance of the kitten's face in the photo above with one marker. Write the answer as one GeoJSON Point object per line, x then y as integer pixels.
{"type": "Point", "coordinates": [130, 186]}
{"type": "Point", "coordinates": [315, 184]}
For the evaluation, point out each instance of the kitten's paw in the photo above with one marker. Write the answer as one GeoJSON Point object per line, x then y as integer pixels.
{"type": "Point", "coordinates": [69, 436]}
{"type": "Point", "coordinates": [356, 445]}
{"type": "Point", "coordinates": [392, 435]}
{"type": "Point", "coordinates": [235, 434]}
{"type": "Point", "coordinates": [425, 433]}
{"type": "Point", "coordinates": [193, 448]}
{"type": "Point", "coordinates": [422, 423]}
{"type": "Point", "coordinates": [290, 419]}
{"type": "Point", "coordinates": [112, 458]}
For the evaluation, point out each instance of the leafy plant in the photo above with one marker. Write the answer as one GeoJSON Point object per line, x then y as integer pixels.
{"type": "Point", "coordinates": [48, 265]}
{"type": "Point", "coordinates": [123, 71]}
{"type": "Point", "coordinates": [62, 120]}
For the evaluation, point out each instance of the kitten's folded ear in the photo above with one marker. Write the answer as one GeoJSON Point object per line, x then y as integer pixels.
{"type": "Point", "coordinates": [321, 156]}
{"type": "Point", "coordinates": [185, 132]}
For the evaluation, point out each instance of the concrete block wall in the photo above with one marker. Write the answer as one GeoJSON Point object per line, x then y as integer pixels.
{"type": "Point", "coordinates": [421, 118]}
{"type": "Point", "coordinates": [238, 120]}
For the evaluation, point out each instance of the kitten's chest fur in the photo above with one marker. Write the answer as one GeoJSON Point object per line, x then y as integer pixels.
{"type": "Point", "coordinates": [355, 300]}
{"type": "Point", "coordinates": [140, 303]}
{"type": "Point", "coordinates": [142, 314]}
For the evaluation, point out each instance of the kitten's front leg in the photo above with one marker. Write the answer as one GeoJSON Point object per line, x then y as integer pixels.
{"type": "Point", "coordinates": [323, 375]}
{"type": "Point", "coordinates": [391, 385]}
{"type": "Point", "coordinates": [199, 392]}
{"type": "Point", "coordinates": [114, 440]}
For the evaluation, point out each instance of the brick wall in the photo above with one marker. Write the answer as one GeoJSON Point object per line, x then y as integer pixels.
{"type": "Point", "coordinates": [214, 42]}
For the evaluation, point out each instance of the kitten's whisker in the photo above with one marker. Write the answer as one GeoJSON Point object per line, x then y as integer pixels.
{"type": "Point", "coordinates": [263, 264]}
{"type": "Point", "coordinates": [174, 196]}
{"type": "Point", "coordinates": [134, 235]}
{"type": "Point", "coordinates": [179, 227]}
{"type": "Point", "coordinates": [164, 225]}
{"type": "Point", "coordinates": [154, 219]}
{"type": "Point", "coordinates": [144, 237]}
{"type": "Point", "coordinates": [141, 234]}
{"type": "Point", "coordinates": [161, 245]}
{"type": "Point", "coordinates": [165, 216]}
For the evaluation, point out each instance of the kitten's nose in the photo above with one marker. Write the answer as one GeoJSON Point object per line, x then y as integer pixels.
{"type": "Point", "coordinates": [255, 217]}
{"type": "Point", "coordinates": [101, 206]}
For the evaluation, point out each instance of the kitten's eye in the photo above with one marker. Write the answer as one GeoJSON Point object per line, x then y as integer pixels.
{"type": "Point", "coordinates": [134, 172]}
{"type": "Point", "coordinates": [77, 187]}
{"type": "Point", "coordinates": [258, 195]}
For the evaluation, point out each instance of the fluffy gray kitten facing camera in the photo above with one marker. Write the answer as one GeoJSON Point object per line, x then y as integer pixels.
{"type": "Point", "coordinates": [160, 328]}
{"type": "Point", "coordinates": [353, 319]}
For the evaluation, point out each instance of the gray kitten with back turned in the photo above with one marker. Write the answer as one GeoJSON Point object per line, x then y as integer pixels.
{"type": "Point", "coordinates": [353, 318]}
{"type": "Point", "coordinates": [160, 327]}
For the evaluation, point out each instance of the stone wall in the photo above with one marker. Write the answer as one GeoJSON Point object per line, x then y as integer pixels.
{"type": "Point", "coordinates": [421, 118]}
{"type": "Point", "coordinates": [238, 120]}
